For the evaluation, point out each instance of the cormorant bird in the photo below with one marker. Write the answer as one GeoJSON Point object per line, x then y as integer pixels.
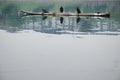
{"type": "Point", "coordinates": [61, 9]}
{"type": "Point", "coordinates": [78, 10]}
{"type": "Point", "coordinates": [98, 12]}
{"type": "Point", "coordinates": [45, 11]}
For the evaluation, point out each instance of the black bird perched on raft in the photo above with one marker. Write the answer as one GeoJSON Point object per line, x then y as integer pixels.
{"type": "Point", "coordinates": [61, 9]}
{"type": "Point", "coordinates": [78, 10]}
{"type": "Point", "coordinates": [45, 11]}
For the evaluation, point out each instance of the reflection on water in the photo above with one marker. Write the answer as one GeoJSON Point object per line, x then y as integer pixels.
{"type": "Point", "coordinates": [10, 21]}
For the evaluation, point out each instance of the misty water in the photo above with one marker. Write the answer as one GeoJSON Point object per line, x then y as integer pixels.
{"type": "Point", "coordinates": [41, 48]}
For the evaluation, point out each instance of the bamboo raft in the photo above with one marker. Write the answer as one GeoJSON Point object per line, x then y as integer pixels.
{"type": "Point", "coordinates": [55, 14]}
{"type": "Point", "coordinates": [62, 14]}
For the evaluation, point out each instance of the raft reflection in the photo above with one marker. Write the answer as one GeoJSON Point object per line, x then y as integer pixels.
{"type": "Point", "coordinates": [52, 25]}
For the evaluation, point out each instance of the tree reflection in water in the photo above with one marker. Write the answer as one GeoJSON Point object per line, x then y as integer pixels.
{"type": "Point", "coordinates": [10, 21]}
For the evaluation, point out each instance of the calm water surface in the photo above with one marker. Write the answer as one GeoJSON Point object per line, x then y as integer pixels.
{"type": "Point", "coordinates": [32, 48]}
{"type": "Point", "coordinates": [12, 22]}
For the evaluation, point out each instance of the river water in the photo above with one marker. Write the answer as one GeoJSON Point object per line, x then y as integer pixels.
{"type": "Point", "coordinates": [33, 48]}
